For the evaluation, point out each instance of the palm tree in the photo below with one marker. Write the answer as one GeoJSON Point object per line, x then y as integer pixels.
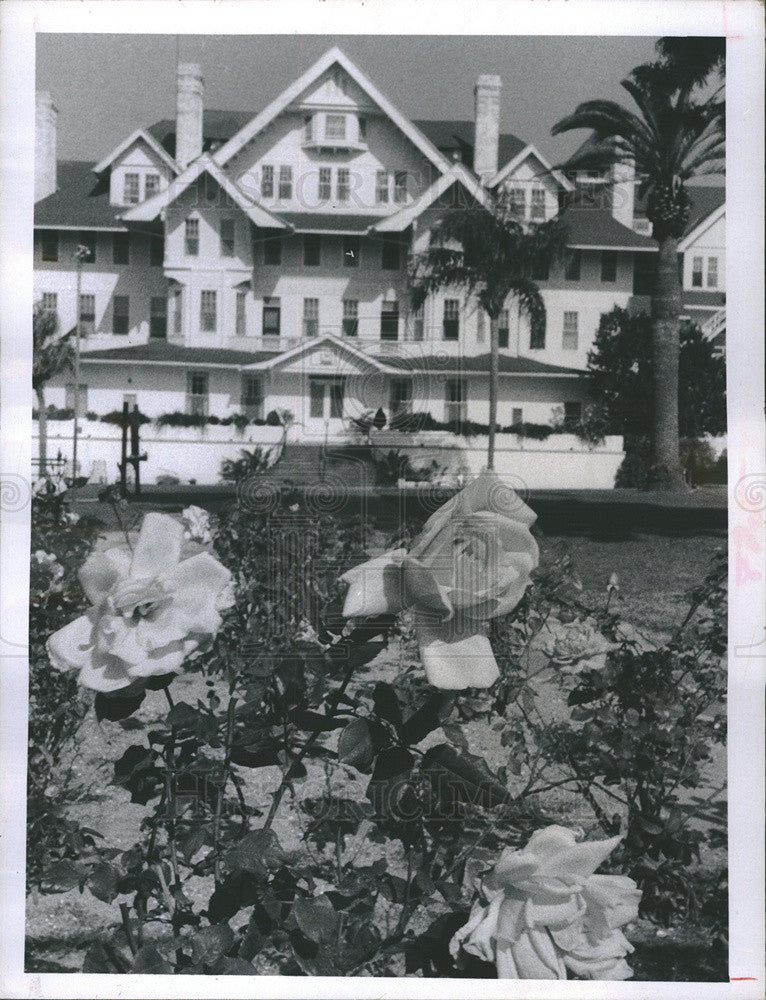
{"type": "Point", "coordinates": [490, 254]}
{"type": "Point", "coordinates": [674, 136]}
{"type": "Point", "coordinates": [693, 59]}
{"type": "Point", "coordinates": [50, 354]}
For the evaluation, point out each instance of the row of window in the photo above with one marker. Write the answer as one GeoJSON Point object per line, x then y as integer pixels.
{"type": "Point", "coordinates": [390, 185]}
{"type": "Point", "coordinates": [389, 318]}
{"type": "Point", "coordinates": [518, 203]}
{"type": "Point", "coordinates": [121, 247]}
{"type": "Point", "coordinates": [703, 277]}
{"type": "Point", "coordinates": [131, 187]}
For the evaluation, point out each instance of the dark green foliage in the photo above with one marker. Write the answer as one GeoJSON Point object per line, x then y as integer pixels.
{"type": "Point", "coordinates": [620, 377]}
{"type": "Point", "coordinates": [251, 462]}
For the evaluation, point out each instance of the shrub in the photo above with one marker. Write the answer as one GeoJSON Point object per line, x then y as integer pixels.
{"type": "Point", "coordinates": [117, 417]}
{"type": "Point", "coordinates": [233, 470]}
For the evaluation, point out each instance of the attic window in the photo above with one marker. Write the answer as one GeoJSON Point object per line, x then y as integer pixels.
{"type": "Point", "coordinates": [335, 127]}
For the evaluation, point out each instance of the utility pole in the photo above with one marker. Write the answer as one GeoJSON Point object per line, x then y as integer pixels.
{"type": "Point", "coordinates": [81, 254]}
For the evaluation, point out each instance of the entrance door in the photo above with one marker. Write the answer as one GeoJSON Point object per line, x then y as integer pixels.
{"type": "Point", "coordinates": [324, 405]}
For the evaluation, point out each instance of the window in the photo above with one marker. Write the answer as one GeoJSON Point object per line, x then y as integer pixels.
{"type": "Point", "coordinates": [712, 272]}
{"type": "Point", "coordinates": [87, 315]}
{"type": "Point", "coordinates": [121, 248]}
{"type": "Point", "coordinates": [344, 183]}
{"type": "Point", "coordinates": [151, 185]}
{"type": "Point", "coordinates": [569, 336]}
{"type": "Point", "coordinates": [451, 320]}
{"type": "Point", "coordinates": [272, 251]}
{"type": "Point", "coordinates": [207, 311]}
{"type": "Point", "coordinates": [418, 323]}
{"type": "Point", "coordinates": [87, 242]}
{"type": "Point", "coordinates": [455, 400]}
{"type": "Point", "coordinates": [350, 318]}
{"type": "Point", "coordinates": [196, 394]}
{"type": "Point", "coordinates": [49, 245]}
{"type": "Point", "coordinates": [503, 328]}
{"type": "Point", "coordinates": [537, 338]}
{"type": "Point", "coordinates": [352, 249]}
{"type": "Point", "coordinates": [697, 272]}
{"type": "Point", "coordinates": [271, 317]}
{"type": "Point", "coordinates": [643, 273]}
{"type": "Point", "coordinates": [285, 183]}
{"type": "Point", "coordinates": [120, 314]}
{"type": "Point", "coordinates": [335, 127]}
{"type": "Point", "coordinates": [79, 404]}
{"type": "Point", "coordinates": [310, 317]}
{"type": "Point", "coordinates": [537, 207]}
{"type": "Point", "coordinates": [517, 416]}
{"type": "Point", "coordinates": [381, 187]}
{"type": "Point", "coordinates": [336, 398]}
{"type": "Point", "coordinates": [192, 237]}
{"type": "Point", "coordinates": [267, 181]}
{"type": "Point", "coordinates": [308, 130]}
{"type": "Point", "coordinates": [312, 249]}
{"type": "Point", "coordinates": [325, 183]}
{"type": "Point", "coordinates": [608, 265]}
{"type": "Point", "coordinates": [540, 269]}
{"type": "Point", "coordinates": [401, 396]}
{"type": "Point", "coordinates": [362, 129]}
{"type": "Point", "coordinates": [572, 413]}
{"type": "Point", "coordinates": [572, 272]}
{"type": "Point", "coordinates": [227, 237]}
{"type": "Point", "coordinates": [240, 322]}
{"type": "Point", "coordinates": [316, 399]}
{"type": "Point", "coordinates": [518, 201]}
{"type": "Point", "coordinates": [252, 396]}
{"type": "Point", "coordinates": [390, 259]}
{"type": "Point", "coordinates": [131, 193]}
{"type": "Point", "coordinates": [400, 187]}
{"type": "Point", "coordinates": [50, 301]}
{"type": "Point", "coordinates": [178, 314]}
{"type": "Point", "coordinates": [389, 321]}
{"type": "Point", "coordinates": [158, 316]}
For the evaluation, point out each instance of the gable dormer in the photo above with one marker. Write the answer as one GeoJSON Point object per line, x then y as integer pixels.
{"type": "Point", "coordinates": [139, 168]}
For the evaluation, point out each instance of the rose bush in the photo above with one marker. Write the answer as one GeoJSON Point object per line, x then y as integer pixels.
{"type": "Point", "coordinates": [152, 603]}
{"type": "Point", "coordinates": [546, 912]}
{"type": "Point", "coordinates": [471, 562]}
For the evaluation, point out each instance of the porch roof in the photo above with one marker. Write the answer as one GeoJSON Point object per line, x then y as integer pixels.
{"type": "Point", "coordinates": [597, 229]}
{"type": "Point", "coordinates": [701, 299]}
{"type": "Point", "coordinates": [326, 222]}
{"type": "Point", "coordinates": [479, 365]}
{"type": "Point", "coordinates": [80, 201]}
{"type": "Point", "coordinates": [160, 352]}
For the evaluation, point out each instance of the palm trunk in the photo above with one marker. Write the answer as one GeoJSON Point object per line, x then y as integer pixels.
{"type": "Point", "coordinates": [42, 429]}
{"type": "Point", "coordinates": [666, 309]}
{"type": "Point", "coordinates": [494, 368]}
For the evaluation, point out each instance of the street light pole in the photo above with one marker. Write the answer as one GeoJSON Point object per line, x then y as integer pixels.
{"type": "Point", "coordinates": [81, 254]}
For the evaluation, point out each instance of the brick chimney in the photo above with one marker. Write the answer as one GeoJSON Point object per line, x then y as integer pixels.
{"type": "Point", "coordinates": [624, 192]}
{"type": "Point", "coordinates": [189, 96]}
{"type": "Point", "coordinates": [45, 145]}
{"type": "Point", "coordinates": [486, 126]}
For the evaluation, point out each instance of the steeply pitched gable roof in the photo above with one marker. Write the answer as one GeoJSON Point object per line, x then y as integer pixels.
{"type": "Point", "coordinates": [80, 201]}
{"type": "Point", "coordinates": [452, 137]}
{"type": "Point", "coordinates": [330, 58]}
{"type": "Point", "coordinates": [217, 128]}
{"type": "Point", "coordinates": [140, 135]}
{"type": "Point", "coordinates": [457, 174]}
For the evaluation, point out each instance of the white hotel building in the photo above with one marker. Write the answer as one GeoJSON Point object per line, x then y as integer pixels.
{"type": "Point", "coordinates": [244, 262]}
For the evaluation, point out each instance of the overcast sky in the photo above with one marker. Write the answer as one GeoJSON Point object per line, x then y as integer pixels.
{"type": "Point", "coordinates": [105, 86]}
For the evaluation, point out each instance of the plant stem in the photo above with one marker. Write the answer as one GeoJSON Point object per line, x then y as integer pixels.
{"type": "Point", "coordinates": [222, 789]}
{"type": "Point", "coordinates": [128, 929]}
{"type": "Point", "coordinates": [314, 736]}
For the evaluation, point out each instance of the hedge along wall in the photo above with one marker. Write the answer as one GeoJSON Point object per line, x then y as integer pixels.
{"type": "Point", "coordinates": [562, 461]}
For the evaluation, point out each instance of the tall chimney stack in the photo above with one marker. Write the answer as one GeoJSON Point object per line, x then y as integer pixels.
{"type": "Point", "coordinates": [189, 96]}
{"type": "Point", "coordinates": [486, 126]}
{"type": "Point", "coordinates": [624, 192]}
{"type": "Point", "coordinates": [45, 145]}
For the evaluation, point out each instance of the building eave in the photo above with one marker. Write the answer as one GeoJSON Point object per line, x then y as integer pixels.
{"type": "Point", "coordinates": [531, 150]}
{"type": "Point", "coordinates": [140, 135]}
{"type": "Point", "coordinates": [701, 227]}
{"type": "Point", "coordinates": [457, 174]}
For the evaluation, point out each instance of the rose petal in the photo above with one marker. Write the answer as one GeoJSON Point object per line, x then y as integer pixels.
{"type": "Point", "coordinates": [536, 960]}
{"type": "Point", "coordinates": [101, 571]}
{"type": "Point", "coordinates": [506, 966]}
{"type": "Point", "coordinates": [158, 548]}
{"type": "Point", "coordinates": [580, 861]}
{"type": "Point", "coordinates": [612, 901]}
{"type": "Point", "coordinates": [376, 587]}
{"type": "Point", "coordinates": [456, 657]}
{"type": "Point", "coordinates": [104, 673]}
{"type": "Point", "coordinates": [422, 590]}
{"type": "Point", "coordinates": [71, 647]}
